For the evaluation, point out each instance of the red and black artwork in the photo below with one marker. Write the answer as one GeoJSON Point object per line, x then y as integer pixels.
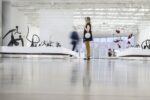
{"type": "Point", "coordinates": [117, 41]}
{"type": "Point", "coordinates": [129, 40]}
{"type": "Point", "coordinates": [118, 31]}
{"type": "Point", "coordinates": [130, 36]}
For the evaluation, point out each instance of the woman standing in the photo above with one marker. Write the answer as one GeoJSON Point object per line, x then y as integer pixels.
{"type": "Point", "coordinates": [87, 37]}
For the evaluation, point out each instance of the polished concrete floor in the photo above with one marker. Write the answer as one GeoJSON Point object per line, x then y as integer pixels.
{"type": "Point", "coordinates": [74, 79]}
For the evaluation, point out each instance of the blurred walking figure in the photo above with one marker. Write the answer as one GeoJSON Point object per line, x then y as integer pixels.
{"type": "Point", "coordinates": [87, 37]}
{"type": "Point", "coordinates": [74, 39]}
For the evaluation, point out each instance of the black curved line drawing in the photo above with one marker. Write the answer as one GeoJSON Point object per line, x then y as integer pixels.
{"type": "Point", "coordinates": [14, 41]}
{"type": "Point", "coordinates": [45, 43]}
{"type": "Point", "coordinates": [50, 44]}
{"type": "Point", "coordinates": [58, 44]}
{"type": "Point", "coordinates": [146, 44]}
{"type": "Point", "coordinates": [33, 42]}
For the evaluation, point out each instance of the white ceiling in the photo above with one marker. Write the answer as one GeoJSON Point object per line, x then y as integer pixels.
{"type": "Point", "coordinates": [107, 15]}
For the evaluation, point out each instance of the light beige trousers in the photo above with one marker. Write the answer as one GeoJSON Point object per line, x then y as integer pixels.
{"type": "Point", "coordinates": [87, 44]}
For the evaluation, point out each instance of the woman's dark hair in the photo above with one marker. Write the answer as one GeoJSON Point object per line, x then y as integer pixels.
{"type": "Point", "coordinates": [88, 19]}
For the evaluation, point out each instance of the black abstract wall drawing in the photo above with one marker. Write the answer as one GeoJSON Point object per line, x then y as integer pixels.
{"type": "Point", "coordinates": [35, 39]}
{"type": "Point", "coordinates": [146, 44]}
{"type": "Point", "coordinates": [58, 44]}
{"type": "Point", "coordinates": [50, 44]}
{"type": "Point", "coordinates": [14, 41]}
{"type": "Point", "coordinates": [45, 43]}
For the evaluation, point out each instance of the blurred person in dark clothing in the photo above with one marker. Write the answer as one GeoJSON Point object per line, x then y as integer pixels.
{"type": "Point", "coordinates": [74, 39]}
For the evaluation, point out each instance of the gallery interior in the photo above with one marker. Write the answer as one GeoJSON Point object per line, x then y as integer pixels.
{"type": "Point", "coordinates": [40, 59]}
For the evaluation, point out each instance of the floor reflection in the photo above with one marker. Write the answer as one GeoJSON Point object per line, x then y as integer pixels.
{"type": "Point", "coordinates": [75, 73]}
{"type": "Point", "coordinates": [87, 75]}
{"type": "Point", "coordinates": [75, 77]}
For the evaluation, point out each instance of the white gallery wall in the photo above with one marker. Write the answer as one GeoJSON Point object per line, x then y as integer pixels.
{"type": "Point", "coordinates": [50, 24]}
{"type": "Point", "coordinates": [56, 25]}
{"type": "Point", "coordinates": [144, 32]}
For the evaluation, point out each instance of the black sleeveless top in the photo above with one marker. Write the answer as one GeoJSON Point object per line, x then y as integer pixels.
{"type": "Point", "coordinates": [91, 38]}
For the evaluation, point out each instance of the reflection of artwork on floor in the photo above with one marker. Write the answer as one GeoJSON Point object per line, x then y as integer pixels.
{"type": "Point", "coordinates": [35, 39]}
{"type": "Point", "coordinates": [146, 44]}
{"type": "Point", "coordinates": [14, 41]}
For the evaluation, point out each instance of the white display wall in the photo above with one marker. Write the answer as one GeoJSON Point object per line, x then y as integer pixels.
{"type": "Point", "coordinates": [144, 32]}
{"type": "Point", "coordinates": [49, 24]}
{"type": "Point", "coordinates": [56, 25]}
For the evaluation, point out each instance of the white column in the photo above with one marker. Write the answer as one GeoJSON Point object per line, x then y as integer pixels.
{"type": "Point", "coordinates": [6, 19]}
{"type": "Point", "coordinates": [11, 18]}
{"type": "Point", "coordinates": [0, 22]}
